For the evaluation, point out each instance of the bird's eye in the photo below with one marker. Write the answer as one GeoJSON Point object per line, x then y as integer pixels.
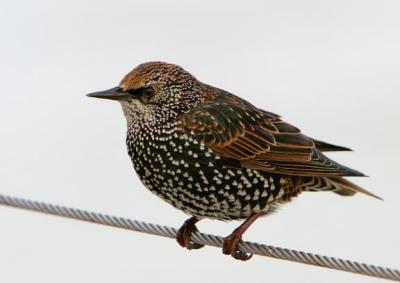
{"type": "Point", "coordinates": [147, 94]}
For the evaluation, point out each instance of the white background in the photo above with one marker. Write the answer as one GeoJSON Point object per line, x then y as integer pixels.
{"type": "Point", "coordinates": [330, 67]}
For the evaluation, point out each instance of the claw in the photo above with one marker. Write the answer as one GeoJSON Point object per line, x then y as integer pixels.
{"type": "Point", "coordinates": [231, 247]}
{"type": "Point", "coordinates": [231, 243]}
{"type": "Point", "coordinates": [183, 236]}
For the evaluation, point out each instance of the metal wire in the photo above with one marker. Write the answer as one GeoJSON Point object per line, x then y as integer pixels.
{"type": "Point", "coordinates": [205, 239]}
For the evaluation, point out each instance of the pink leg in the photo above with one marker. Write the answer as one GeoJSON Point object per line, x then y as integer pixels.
{"type": "Point", "coordinates": [231, 242]}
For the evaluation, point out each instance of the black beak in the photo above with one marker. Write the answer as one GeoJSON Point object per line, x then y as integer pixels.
{"type": "Point", "coordinates": [115, 93]}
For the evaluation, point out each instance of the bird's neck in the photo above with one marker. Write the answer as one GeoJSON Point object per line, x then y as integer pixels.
{"type": "Point", "coordinates": [142, 124]}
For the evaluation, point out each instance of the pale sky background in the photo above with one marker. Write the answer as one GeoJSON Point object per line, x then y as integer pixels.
{"type": "Point", "coordinates": [330, 67]}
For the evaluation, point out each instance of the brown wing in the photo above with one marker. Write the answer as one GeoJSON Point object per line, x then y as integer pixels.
{"type": "Point", "coordinates": [260, 140]}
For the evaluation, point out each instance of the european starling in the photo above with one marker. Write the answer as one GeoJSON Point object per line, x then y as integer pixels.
{"type": "Point", "coordinates": [214, 155]}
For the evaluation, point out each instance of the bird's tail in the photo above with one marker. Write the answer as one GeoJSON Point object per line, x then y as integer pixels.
{"type": "Point", "coordinates": [337, 185]}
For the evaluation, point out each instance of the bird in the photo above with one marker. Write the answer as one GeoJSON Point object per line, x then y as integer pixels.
{"type": "Point", "coordinates": [214, 155]}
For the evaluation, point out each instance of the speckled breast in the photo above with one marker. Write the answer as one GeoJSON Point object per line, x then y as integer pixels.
{"type": "Point", "coordinates": [192, 178]}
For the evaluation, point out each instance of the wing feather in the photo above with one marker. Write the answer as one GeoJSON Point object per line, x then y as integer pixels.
{"type": "Point", "coordinates": [235, 129]}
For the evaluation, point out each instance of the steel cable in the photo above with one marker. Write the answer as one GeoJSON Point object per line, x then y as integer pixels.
{"type": "Point", "coordinates": [205, 239]}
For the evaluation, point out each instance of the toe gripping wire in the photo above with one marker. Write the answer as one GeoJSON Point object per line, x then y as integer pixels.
{"type": "Point", "coordinates": [205, 239]}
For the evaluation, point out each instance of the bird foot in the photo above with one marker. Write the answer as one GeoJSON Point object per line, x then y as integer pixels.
{"type": "Point", "coordinates": [231, 247]}
{"type": "Point", "coordinates": [183, 236]}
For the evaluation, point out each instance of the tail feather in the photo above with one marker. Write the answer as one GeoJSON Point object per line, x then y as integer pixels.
{"type": "Point", "coordinates": [324, 146]}
{"type": "Point", "coordinates": [347, 188]}
{"type": "Point", "coordinates": [337, 185]}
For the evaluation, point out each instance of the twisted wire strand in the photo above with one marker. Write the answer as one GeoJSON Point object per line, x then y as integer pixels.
{"type": "Point", "coordinates": [205, 239]}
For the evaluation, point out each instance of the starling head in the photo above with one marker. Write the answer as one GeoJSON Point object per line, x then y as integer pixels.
{"type": "Point", "coordinates": [155, 89]}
